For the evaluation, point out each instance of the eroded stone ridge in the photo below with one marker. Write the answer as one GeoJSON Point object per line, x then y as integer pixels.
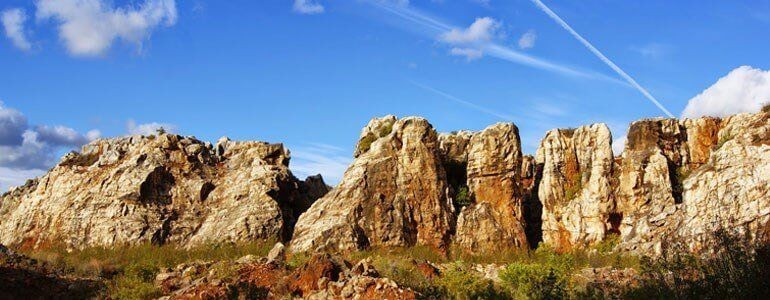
{"type": "Point", "coordinates": [160, 189]}
{"type": "Point", "coordinates": [676, 182]}
{"type": "Point", "coordinates": [575, 187]}
{"type": "Point", "coordinates": [495, 218]}
{"type": "Point", "coordinates": [394, 194]}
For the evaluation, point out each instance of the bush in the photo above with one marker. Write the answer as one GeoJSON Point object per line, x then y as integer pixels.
{"type": "Point", "coordinates": [766, 108]}
{"type": "Point", "coordinates": [459, 283]}
{"type": "Point", "coordinates": [136, 282]}
{"type": "Point", "coordinates": [737, 269]}
{"type": "Point", "coordinates": [131, 270]}
{"type": "Point", "coordinates": [534, 281]}
{"type": "Point", "coordinates": [462, 198]}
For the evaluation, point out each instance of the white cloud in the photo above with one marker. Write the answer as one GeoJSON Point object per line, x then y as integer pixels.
{"type": "Point", "coordinates": [89, 27]}
{"type": "Point", "coordinates": [618, 145]}
{"type": "Point", "coordinates": [327, 160]}
{"type": "Point", "coordinates": [482, 30]}
{"type": "Point", "coordinates": [13, 177]}
{"type": "Point", "coordinates": [527, 40]}
{"type": "Point", "coordinates": [149, 128]}
{"type": "Point", "coordinates": [25, 148]}
{"type": "Point", "coordinates": [744, 89]}
{"type": "Point", "coordinates": [12, 126]}
{"type": "Point", "coordinates": [307, 7]}
{"type": "Point", "coordinates": [652, 50]}
{"type": "Point", "coordinates": [13, 22]}
{"type": "Point", "coordinates": [469, 53]}
{"type": "Point", "coordinates": [65, 136]}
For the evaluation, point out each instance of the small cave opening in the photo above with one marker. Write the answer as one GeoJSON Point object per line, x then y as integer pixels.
{"type": "Point", "coordinates": [206, 189]}
{"type": "Point", "coordinates": [156, 188]}
{"type": "Point", "coordinates": [457, 178]}
{"type": "Point", "coordinates": [677, 175]}
{"type": "Point", "coordinates": [614, 220]}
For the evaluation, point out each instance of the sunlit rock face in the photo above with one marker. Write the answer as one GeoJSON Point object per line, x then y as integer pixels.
{"type": "Point", "coordinates": [575, 187]}
{"type": "Point", "coordinates": [496, 217]}
{"type": "Point", "coordinates": [394, 194]}
{"type": "Point", "coordinates": [660, 155]}
{"type": "Point", "coordinates": [158, 189]}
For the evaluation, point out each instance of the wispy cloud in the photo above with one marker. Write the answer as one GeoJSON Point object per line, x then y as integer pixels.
{"type": "Point", "coordinates": [601, 56]}
{"type": "Point", "coordinates": [149, 128]}
{"type": "Point", "coordinates": [307, 7]}
{"type": "Point", "coordinates": [652, 50]}
{"type": "Point", "coordinates": [318, 158]}
{"type": "Point", "coordinates": [527, 40]}
{"type": "Point", "coordinates": [13, 23]}
{"type": "Point", "coordinates": [469, 104]}
{"type": "Point", "coordinates": [428, 25]}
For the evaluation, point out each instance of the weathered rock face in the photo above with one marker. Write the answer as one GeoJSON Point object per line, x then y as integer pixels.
{"type": "Point", "coordinates": [495, 218]}
{"type": "Point", "coordinates": [393, 194]}
{"type": "Point", "coordinates": [575, 187]}
{"type": "Point", "coordinates": [159, 189]}
{"type": "Point", "coordinates": [732, 190]}
{"type": "Point", "coordinates": [659, 155]}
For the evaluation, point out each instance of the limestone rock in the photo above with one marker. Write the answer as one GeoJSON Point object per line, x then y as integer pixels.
{"type": "Point", "coordinates": [393, 194]}
{"type": "Point", "coordinates": [575, 186]}
{"type": "Point", "coordinates": [277, 255]}
{"type": "Point", "coordinates": [495, 219]}
{"type": "Point", "coordinates": [159, 189]}
{"type": "Point", "coordinates": [732, 191]}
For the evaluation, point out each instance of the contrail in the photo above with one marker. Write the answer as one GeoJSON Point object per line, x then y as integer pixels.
{"type": "Point", "coordinates": [463, 102]}
{"type": "Point", "coordinates": [431, 27]}
{"type": "Point", "coordinates": [601, 56]}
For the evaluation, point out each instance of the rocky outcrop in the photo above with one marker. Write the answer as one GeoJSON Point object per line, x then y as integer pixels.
{"type": "Point", "coordinates": [323, 276]}
{"type": "Point", "coordinates": [22, 277]}
{"type": "Point", "coordinates": [159, 189]}
{"type": "Point", "coordinates": [732, 190]}
{"type": "Point", "coordinates": [495, 218]}
{"type": "Point", "coordinates": [575, 187]}
{"type": "Point", "coordinates": [393, 194]}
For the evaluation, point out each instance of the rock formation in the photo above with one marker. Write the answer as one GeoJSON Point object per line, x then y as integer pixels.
{"type": "Point", "coordinates": [575, 186]}
{"type": "Point", "coordinates": [676, 182]}
{"type": "Point", "coordinates": [393, 194]}
{"type": "Point", "coordinates": [160, 189]}
{"type": "Point", "coordinates": [495, 218]}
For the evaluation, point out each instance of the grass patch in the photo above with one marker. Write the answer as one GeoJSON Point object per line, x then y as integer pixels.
{"type": "Point", "coordinates": [130, 271]}
{"type": "Point", "coordinates": [738, 269]}
{"type": "Point", "coordinates": [724, 139]}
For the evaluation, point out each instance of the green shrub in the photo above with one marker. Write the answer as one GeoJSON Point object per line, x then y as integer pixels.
{"type": "Point", "coordinates": [766, 108]}
{"type": "Point", "coordinates": [366, 143]}
{"type": "Point", "coordinates": [136, 282]}
{"type": "Point", "coordinates": [460, 283]}
{"type": "Point", "coordinates": [608, 243]}
{"type": "Point", "coordinates": [386, 129]}
{"type": "Point", "coordinates": [535, 281]}
{"type": "Point", "coordinates": [462, 198]}
{"type": "Point", "coordinates": [575, 185]}
{"type": "Point", "coordinates": [724, 139]}
{"type": "Point", "coordinates": [738, 268]}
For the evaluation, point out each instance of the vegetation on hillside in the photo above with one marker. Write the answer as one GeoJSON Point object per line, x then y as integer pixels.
{"type": "Point", "coordinates": [737, 269]}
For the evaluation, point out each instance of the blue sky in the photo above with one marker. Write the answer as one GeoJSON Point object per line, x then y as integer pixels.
{"type": "Point", "coordinates": [288, 71]}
